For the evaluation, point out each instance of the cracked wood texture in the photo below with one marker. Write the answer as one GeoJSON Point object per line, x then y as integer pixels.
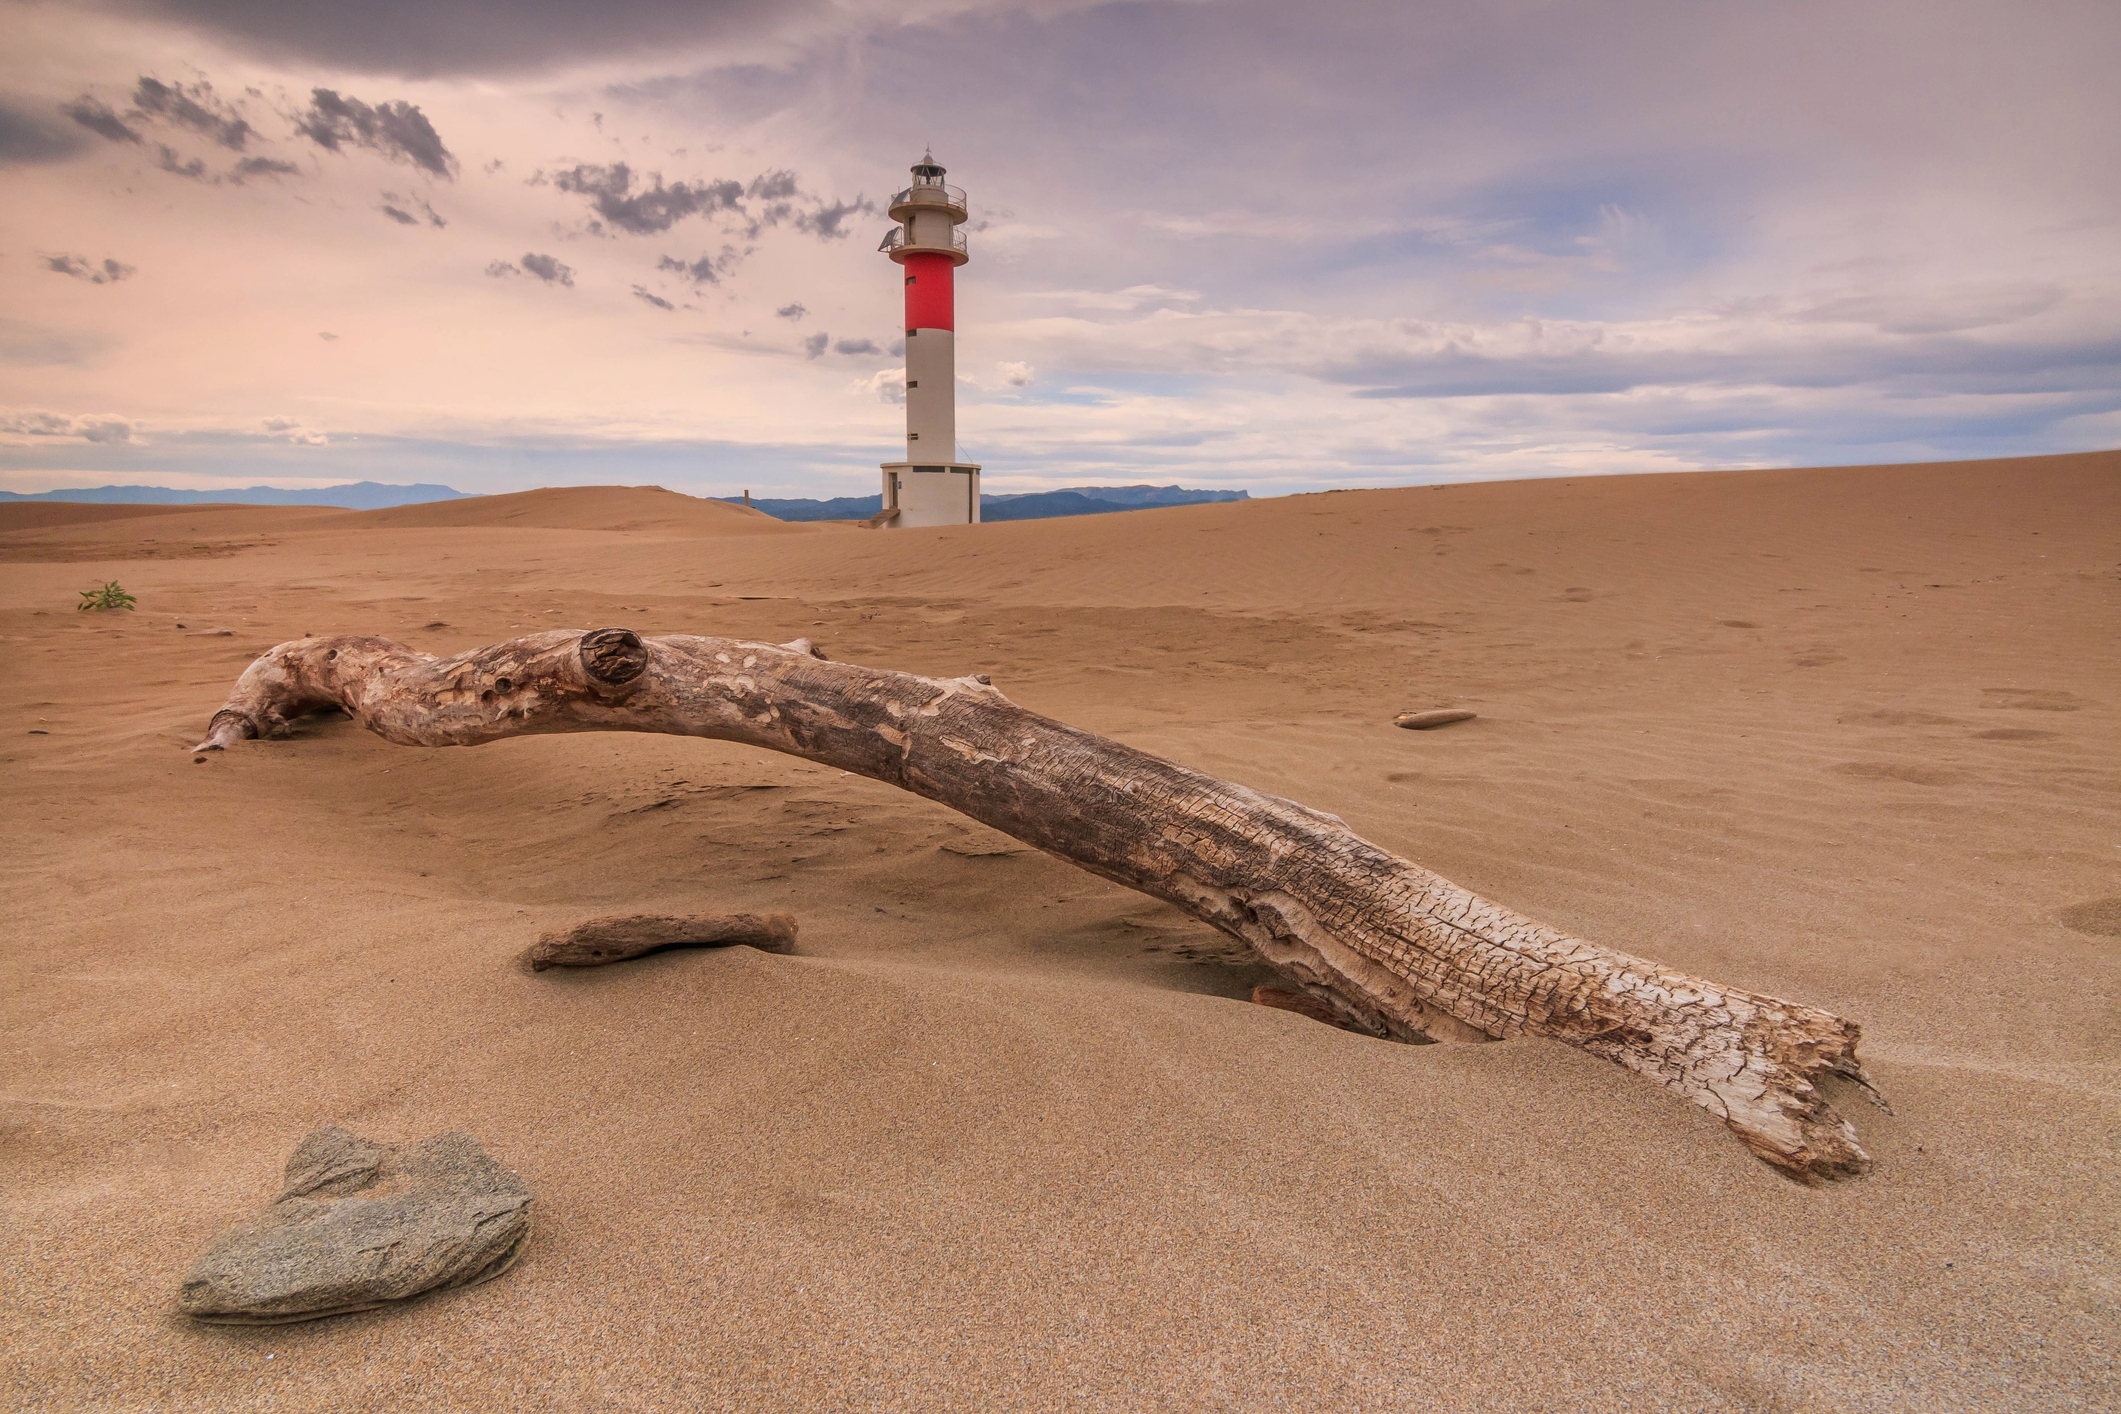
{"type": "Point", "coordinates": [1393, 949]}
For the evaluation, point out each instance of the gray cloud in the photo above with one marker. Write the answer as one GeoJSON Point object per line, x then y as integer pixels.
{"type": "Point", "coordinates": [26, 138]}
{"type": "Point", "coordinates": [707, 270]}
{"type": "Point", "coordinates": [1913, 367]}
{"type": "Point", "coordinates": [195, 106]}
{"type": "Point", "coordinates": [814, 346]}
{"type": "Point", "coordinates": [169, 160]}
{"type": "Point", "coordinates": [262, 167]}
{"type": "Point", "coordinates": [397, 130]}
{"type": "Point", "coordinates": [539, 267]}
{"type": "Point", "coordinates": [99, 118]}
{"type": "Point", "coordinates": [107, 430]}
{"type": "Point", "coordinates": [856, 346]}
{"type": "Point", "coordinates": [641, 292]}
{"type": "Point", "coordinates": [791, 311]}
{"type": "Point", "coordinates": [829, 223]}
{"type": "Point", "coordinates": [422, 38]}
{"type": "Point", "coordinates": [548, 269]}
{"type": "Point", "coordinates": [396, 208]}
{"type": "Point", "coordinates": [655, 207]}
{"type": "Point", "coordinates": [109, 272]}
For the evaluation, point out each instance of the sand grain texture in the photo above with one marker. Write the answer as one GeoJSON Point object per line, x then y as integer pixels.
{"type": "Point", "coordinates": [1004, 1136]}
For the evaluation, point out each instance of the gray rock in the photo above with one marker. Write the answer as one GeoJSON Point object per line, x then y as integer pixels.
{"type": "Point", "coordinates": [361, 1225]}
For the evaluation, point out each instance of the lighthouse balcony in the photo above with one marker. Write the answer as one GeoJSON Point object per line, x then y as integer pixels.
{"type": "Point", "coordinates": [898, 243]}
{"type": "Point", "coordinates": [929, 196]}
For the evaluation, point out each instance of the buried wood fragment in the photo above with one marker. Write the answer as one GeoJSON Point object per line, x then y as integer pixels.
{"type": "Point", "coordinates": [623, 936]}
{"type": "Point", "coordinates": [1423, 721]}
{"type": "Point", "coordinates": [1391, 948]}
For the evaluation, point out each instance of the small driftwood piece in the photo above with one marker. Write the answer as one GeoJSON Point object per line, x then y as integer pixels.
{"type": "Point", "coordinates": [1422, 721]}
{"type": "Point", "coordinates": [1393, 949]}
{"type": "Point", "coordinates": [624, 936]}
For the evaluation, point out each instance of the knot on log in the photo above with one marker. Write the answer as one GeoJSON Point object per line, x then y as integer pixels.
{"type": "Point", "coordinates": [613, 656]}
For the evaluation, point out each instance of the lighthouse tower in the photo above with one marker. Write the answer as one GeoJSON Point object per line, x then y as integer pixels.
{"type": "Point", "coordinates": [931, 486]}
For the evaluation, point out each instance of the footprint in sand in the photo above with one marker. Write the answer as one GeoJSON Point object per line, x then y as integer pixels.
{"type": "Point", "coordinates": [1887, 718]}
{"type": "Point", "coordinates": [1912, 775]}
{"type": "Point", "coordinates": [2030, 699]}
{"type": "Point", "coordinates": [2101, 917]}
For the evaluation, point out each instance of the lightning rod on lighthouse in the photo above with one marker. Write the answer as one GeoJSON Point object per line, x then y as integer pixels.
{"type": "Point", "coordinates": [931, 486]}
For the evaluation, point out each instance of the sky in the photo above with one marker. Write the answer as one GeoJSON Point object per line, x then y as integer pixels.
{"type": "Point", "coordinates": [1269, 246]}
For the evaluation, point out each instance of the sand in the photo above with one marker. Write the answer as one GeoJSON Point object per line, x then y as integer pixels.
{"type": "Point", "coordinates": [1004, 1136]}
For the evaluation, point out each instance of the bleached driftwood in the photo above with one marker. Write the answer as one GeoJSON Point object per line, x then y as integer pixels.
{"type": "Point", "coordinates": [1394, 950]}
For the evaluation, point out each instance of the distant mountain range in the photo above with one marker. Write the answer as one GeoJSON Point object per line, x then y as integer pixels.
{"type": "Point", "coordinates": [1025, 505]}
{"type": "Point", "coordinates": [376, 495]}
{"type": "Point", "coordinates": [358, 496]}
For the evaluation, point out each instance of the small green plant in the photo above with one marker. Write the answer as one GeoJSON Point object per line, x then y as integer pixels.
{"type": "Point", "coordinates": [110, 596]}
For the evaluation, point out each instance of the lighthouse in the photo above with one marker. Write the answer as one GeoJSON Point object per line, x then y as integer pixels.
{"type": "Point", "coordinates": [931, 486]}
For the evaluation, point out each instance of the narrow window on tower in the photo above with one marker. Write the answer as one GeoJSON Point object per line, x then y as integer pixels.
{"type": "Point", "coordinates": [913, 382]}
{"type": "Point", "coordinates": [911, 278]}
{"type": "Point", "coordinates": [913, 436]}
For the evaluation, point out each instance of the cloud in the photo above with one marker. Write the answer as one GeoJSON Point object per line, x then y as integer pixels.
{"type": "Point", "coordinates": [330, 338]}
{"type": "Point", "coordinates": [887, 384]}
{"type": "Point", "coordinates": [540, 267]}
{"type": "Point", "coordinates": [423, 38]}
{"type": "Point", "coordinates": [828, 223]}
{"type": "Point", "coordinates": [26, 138]}
{"type": "Point", "coordinates": [169, 160]}
{"type": "Point", "coordinates": [814, 346]}
{"type": "Point", "coordinates": [1016, 375]}
{"type": "Point", "coordinates": [262, 167]}
{"type": "Point", "coordinates": [548, 269]}
{"type": "Point", "coordinates": [397, 130]}
{"type": "Point", "coordinates": [704, 271]}
{"type": "Point", "coordinates": [36, 424]}
{"type": "Point", "coordinates": [1952, 311]}
{"type": "Point", "coordinates": [772, 186]}
{"type": "Point", "coordinates": [195, 106]}
{"type": "Point", "coordinates": [856, 346]}
{"type": "Point", "coordinates": [109, 272]}
{"type": "Point", "coordinates": [395, 211]}
{"type": "Point", "coordinates": [108, 431]}
{"type": "Point", "coordinates": [293, 432]}
{"type": "Point", "coordinates": [641, 292]}
{"type": "Point", "coordinates": [791, 311]}
{"type": "Point", "coordinates": [99, 118]}
{"type": "Point", "coordinates": [654, 207]}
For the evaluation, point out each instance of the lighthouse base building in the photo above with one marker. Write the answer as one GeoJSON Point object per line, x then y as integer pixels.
{"type": "Point", "coordinates": [931, 486]}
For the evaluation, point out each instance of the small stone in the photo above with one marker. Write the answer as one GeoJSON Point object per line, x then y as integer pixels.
{"type": "Point", "coordinates": [361, 1225]}
{"type": "Point", "coordinates": [1422, 721]}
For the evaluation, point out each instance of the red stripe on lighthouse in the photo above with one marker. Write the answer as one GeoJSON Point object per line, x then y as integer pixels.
{"type": "Point", "coordinates": [928, 292]}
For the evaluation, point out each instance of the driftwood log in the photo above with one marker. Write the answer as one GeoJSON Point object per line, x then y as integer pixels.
{"type": "Point", "coordinates": [1394, 950]}
{"type": "Point", "coordinates": [623, 936]}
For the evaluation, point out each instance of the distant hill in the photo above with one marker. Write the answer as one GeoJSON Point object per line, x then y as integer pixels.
{"type": "Point", "coordinates": [358, 496]}
{"type": "Point", "coordinates": [1024, 505]}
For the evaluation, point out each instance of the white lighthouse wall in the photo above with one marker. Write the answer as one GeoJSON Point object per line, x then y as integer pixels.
{"type": "Point", "coordinates": [931, 228]}
{"type": "Point", "coordinates": [936, 496]}
{"type": "Point", "coordinates": [931, 396]}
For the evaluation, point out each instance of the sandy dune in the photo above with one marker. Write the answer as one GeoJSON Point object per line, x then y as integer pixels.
{"type": "Point", "coordinates": [1003, 1136]}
